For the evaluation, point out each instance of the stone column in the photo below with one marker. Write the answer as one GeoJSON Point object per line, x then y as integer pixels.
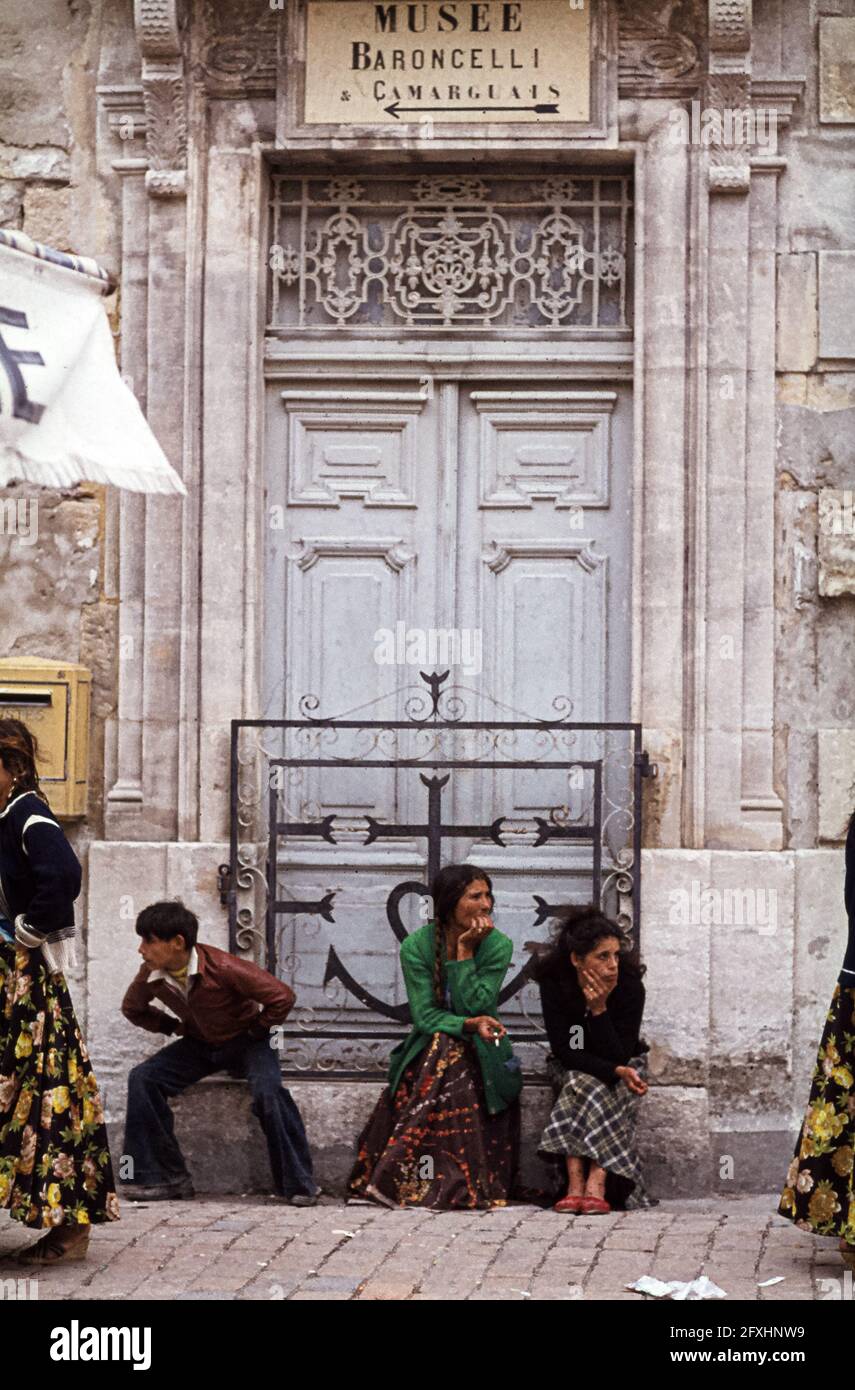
{"type": "Point", "coordinates": [760, 803]}
{"type": "Point", "coordinates": [741, 809]}
{"type": "Point", "coordinates": [163, 529]}
{"type": "Point", "coordinates": [142, 802]}
{"type": "Point", "coordinates": [124, 797]}
{"type": "Point", "coordinates": [727, 296]}
{"type": "Point", "coordinates": [232, 514]}
{"type": "Point", "coordinates": [661, 375]}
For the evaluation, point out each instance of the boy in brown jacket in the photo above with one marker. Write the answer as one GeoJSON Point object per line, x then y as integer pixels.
{"type": "Point", "coordinates": [223, 1011]}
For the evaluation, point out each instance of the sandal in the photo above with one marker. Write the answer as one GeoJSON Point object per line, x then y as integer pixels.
{"type": "Point", "coordinates": [50, 1250]}
{"type": "Point", "coordinates": [594, 1206]}
{"type": "Point", "coordinates": [570, 1203]}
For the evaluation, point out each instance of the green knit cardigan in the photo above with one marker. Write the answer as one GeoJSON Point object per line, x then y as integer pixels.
{"type": "Point", "coordinates": [474, 987]}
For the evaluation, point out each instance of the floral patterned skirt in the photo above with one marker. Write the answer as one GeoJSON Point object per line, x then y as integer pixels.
{"type": "Point", "coordinates": [433, 1144]}
{"type": "Point", "coordinates": [819, 1195]}
{"type": "Point", "coordinates": [54, 1159]}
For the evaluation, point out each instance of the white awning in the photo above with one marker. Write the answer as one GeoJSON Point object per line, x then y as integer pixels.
{"type": "Point", "coordinates": [66, 415]}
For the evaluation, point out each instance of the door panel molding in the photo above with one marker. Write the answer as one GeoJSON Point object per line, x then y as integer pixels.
{"type": "Point", "coordinates": [560, 432]}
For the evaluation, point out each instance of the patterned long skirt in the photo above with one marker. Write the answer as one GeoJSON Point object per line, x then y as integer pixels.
{"type": "Point", "coordinates": [54, 1159]}
{"type": "Point", "coordinates": [819, 1195]}
{"type": "Point", "coordinates": [593, 1120]}
{"type": "Point", "coordinates": [433, 1144]}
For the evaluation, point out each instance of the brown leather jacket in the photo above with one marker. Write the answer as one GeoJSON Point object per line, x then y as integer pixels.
{"type": "Point", "coordinates": [223, 1000]}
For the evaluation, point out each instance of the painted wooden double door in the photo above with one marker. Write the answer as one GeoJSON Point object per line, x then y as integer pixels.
{"type": "Point", "coordinates": [479, 526]}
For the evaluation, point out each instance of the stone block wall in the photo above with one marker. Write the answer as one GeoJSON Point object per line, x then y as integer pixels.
{"type": "Point", "coordinates": [815, 584]}
{"type": "Point", "coordinates": [734, 1010]}
{"type": "Point", "coordinates": [55, 556]}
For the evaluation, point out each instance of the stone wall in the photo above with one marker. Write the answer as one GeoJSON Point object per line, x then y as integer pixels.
{"type": "Point", "coordinates": [54, 570]}
{"type": "Point", "coordinates": [744, 674]}
{"type": "Point", "coordinates": [815, 568]}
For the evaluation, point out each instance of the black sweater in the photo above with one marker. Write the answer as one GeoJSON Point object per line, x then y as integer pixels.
{"type": "Point", "coordinates": [39, 871]}
{"type": "Point", "coordinates": [609, 1040]}
{"type": "Point", "coordinates": [847, 974]}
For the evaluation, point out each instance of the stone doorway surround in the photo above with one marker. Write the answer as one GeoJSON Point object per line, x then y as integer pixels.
{"type": "Point", "coordinates": [187, 125]}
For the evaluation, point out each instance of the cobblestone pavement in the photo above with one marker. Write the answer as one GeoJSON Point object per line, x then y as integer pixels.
{"type": "Point", "coordinates": [255, 1248]}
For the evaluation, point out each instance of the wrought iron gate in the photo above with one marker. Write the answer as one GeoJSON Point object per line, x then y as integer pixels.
{"type": "Point", "coordinates": [281, 772]}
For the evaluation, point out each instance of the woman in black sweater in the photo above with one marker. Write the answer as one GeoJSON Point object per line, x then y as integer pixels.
{"type": "Point", "coordinates": [593, 1000]}
{"type": "Point", "coordinates": [819, 1194]}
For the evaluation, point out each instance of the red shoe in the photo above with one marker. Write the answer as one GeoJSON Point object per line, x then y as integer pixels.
{"type": "Point", "coordinates": [594, 1206]}
{"type": "Point", "coordinates": [573, 1204]}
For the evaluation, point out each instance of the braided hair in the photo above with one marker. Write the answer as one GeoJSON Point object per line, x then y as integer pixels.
{"type": "Point", "coordinates": [446, 890]}
{"type": "Point", "coordinates": [19, 751]}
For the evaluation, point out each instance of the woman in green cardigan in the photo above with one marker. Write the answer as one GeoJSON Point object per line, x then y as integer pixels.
{"type": "Point", "coordinates": [445, 1132]}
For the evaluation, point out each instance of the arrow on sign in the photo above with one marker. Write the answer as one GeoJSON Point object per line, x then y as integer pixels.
{"type": "Point", "coordinates": [542, 108]}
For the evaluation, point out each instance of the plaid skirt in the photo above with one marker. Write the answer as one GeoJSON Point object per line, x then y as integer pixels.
{"type": "Point", "coordinates": [54, 1160]}
{"type": "Point", "coordinates": [593, 1120]}
{"type": "Point", "coordinates": [819, 1194]}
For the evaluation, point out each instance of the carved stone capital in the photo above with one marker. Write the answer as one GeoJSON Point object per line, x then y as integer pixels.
{"type": "Point", "coordinates": [727, 94]}
{"type": "Point", "coordinates": [123, 121]}
{"type": "Point", "coordinates": [237, 47]}
{"type": "Point", "coordinates": [659, 47]}
{"type": "Point", "coordinates": [166, 183]}
{"type": "Point", "coordinates": [158, 27]}
{"type": "Point", "coordinates": [778, 94]}
{"type": "Point", "coordinates": [729, 178]}
{"type": "Point", "coordinates": [730, 26]}
{"type": "Point", "coordinates": [166, 117]}
{"type": "Point", "coordinates": [728, 90]}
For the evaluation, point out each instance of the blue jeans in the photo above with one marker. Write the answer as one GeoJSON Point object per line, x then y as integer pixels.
{"type": "Point", "coordinates": [149, 1127]}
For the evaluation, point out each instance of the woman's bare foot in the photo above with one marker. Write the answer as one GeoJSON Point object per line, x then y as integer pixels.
{"type": "Point", "coordinates": [596, 1182]}
{"type": "Point", "coordinates": [575, 1177]}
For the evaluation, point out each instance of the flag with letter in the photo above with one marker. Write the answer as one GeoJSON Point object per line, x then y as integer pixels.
{"type": "Point", "coordinates": [66, 415]}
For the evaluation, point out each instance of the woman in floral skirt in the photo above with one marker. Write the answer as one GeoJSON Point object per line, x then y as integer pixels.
{"type": "Point", "coordinates": [55, 1170]}
{"type": "Point", "coordinates": [820, 1191]}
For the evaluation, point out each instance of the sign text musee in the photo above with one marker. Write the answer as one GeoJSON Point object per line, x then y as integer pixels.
{"type": "Point", "coordinates": [499, 60]}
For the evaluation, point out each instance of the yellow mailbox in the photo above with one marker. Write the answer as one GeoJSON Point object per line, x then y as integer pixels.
{"type": "Point", "coordinates": [52, 699]}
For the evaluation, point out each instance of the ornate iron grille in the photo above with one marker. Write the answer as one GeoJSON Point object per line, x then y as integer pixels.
{"type": "Point", "coordinates": [279, 769]}
{"type": "Point", "coordinates": [451, 252]}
